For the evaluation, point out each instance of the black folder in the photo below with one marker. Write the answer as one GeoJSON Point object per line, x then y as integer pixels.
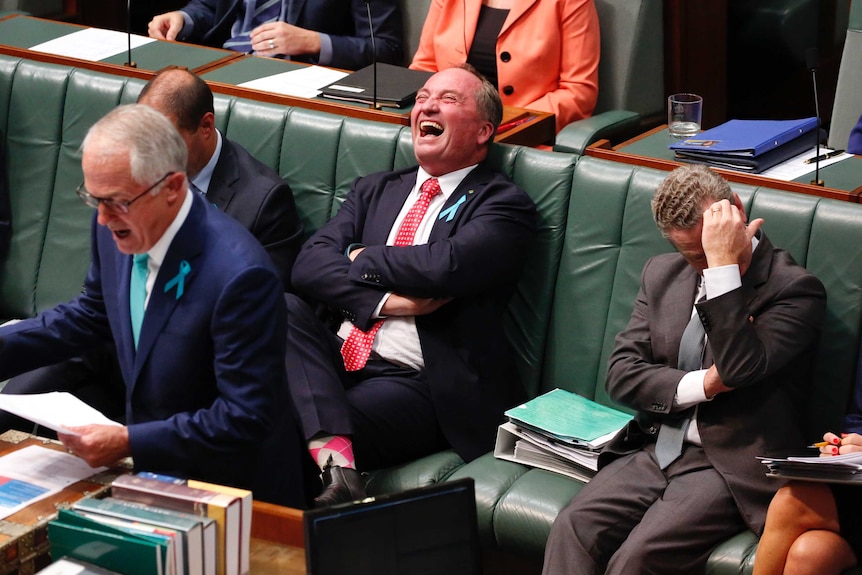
{"type": "Point", "coordinates": [430, 529]}
{"type": "Point", "coordinates": [396, 86]}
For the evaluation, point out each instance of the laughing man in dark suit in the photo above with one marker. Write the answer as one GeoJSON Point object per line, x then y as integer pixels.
{"type": "Point", "coordinates": [440, 371]}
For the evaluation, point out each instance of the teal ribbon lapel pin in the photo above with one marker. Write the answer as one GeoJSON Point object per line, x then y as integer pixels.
{"type": "Point", "coordinates": [449, 213]}
{"type": "Point", "coordinates": [179, 280]}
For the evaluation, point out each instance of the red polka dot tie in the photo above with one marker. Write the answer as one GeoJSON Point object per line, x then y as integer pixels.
{"type": "Point", "coordinates": [357, 346]}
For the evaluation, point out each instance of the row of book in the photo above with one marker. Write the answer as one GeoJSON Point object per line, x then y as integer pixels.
{"type": "Point", "coordinates": [751, 146]}
{"type": "Point", "coordinates": [157, 525]}
{"type": "Point", "coordinates": [559, 431]}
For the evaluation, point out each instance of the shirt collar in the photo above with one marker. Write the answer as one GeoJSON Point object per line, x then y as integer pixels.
{"type": "Point", "coordinates": [202, 179]}
{"type": "Point", "coordinates": [159, 250]}
{"type": "Point", "coordinates": [448, 182]}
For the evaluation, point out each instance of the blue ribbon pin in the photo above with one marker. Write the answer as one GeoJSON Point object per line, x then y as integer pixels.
{"type": "Point", "coordinates": [179, 279]}
{"type": "Point", "coordinates": [450, 212]}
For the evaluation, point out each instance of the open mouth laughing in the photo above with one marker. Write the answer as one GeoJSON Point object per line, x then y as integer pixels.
{"type": "Point", "coordinates": [429, 128]}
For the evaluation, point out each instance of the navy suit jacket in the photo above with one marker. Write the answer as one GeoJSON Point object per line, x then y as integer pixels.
{"type": "Point", "coordinates": [205, 388]}
{"type": "Point", "coordinates": [254, 195]}
{"type": "Point", "coordinates": [474, 258]}
{"type": "Point", "coordinates": [345, 21]}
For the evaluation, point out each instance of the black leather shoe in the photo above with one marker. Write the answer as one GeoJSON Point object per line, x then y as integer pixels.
{"type": "Point", "coordinates": [340, 485]}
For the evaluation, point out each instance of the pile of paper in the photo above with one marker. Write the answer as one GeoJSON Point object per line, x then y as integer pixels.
{"type": "Point", "coordinates": [559, 431]}
{"type": "Point", "coordinates": [845, 468]}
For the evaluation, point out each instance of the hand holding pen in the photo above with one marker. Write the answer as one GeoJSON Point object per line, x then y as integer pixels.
{"type": "Point", "coordinates": [833, 444]}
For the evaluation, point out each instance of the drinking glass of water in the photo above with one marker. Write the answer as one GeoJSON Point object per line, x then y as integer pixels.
{"type": "Point", "coordinates": [683, 115]}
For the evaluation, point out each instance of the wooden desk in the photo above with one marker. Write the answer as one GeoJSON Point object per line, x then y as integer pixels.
{"type": "Point", "coordinates": [651, 150]}
{"type": "Point", "coordinates": [224, 70]}
{"type": "Point", "coordinates": [18, 33]}
{"type": "Point", "coordinates": [277, 544]}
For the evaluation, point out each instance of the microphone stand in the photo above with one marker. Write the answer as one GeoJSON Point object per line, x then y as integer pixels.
{"type": "Point", "coordinates": [374, 105]}
{"type": "Point", "coordinates": [812, 64]}
{"type": "Point", "coordinates": [129, 62]}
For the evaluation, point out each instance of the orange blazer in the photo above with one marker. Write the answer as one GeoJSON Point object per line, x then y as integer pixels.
{"type": "Point", "coordinates": [547, 52]}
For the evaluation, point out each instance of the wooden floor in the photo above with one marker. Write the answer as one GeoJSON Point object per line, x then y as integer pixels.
{"type": "Point", "coordinates": [268, 558]}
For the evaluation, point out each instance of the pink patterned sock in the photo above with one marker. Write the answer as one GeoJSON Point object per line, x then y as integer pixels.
{"type": "Point", "coordinates": [337, 447]}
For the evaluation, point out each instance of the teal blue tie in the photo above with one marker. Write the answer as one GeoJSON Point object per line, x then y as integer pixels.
{"type": "Point", "coordinates": [138, 293]}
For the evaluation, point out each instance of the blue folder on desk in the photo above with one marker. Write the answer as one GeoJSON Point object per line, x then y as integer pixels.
{"type": "Point", "coordinates": [746, 138]}
{"type": "Point", "coordinates": [754, 164]}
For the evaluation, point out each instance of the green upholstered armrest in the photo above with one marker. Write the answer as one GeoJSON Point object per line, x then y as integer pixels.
{"type": "Point", "coordinates": [575, 137]}
{"type": "Point", "coordinates": [735, 556]}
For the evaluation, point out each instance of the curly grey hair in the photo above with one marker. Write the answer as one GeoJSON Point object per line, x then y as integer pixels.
{"type": "Point", "coordinates": [679, 200]}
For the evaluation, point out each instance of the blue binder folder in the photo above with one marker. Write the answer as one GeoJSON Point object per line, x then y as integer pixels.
{"type": "Point", "coordinates": [746, 138]}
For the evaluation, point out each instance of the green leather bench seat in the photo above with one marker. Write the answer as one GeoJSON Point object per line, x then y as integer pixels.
{"type": "Point", "coordinates": [574, 295]}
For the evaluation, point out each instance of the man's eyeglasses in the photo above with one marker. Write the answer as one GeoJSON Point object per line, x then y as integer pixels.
{"type": "Point", "coordinates": [116, 206]}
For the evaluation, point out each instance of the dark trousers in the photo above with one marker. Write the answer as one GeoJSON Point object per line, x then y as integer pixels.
{"type": "Point", "coordinates": [634, 518]}
{"type": "Point", "coordinates": [385, 408]}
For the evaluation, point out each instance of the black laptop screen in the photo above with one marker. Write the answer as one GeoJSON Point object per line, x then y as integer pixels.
{"type": "Point", "coordinates": [430, 530]}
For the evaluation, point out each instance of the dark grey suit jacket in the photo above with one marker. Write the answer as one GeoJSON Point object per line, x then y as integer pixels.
{"type": "Point", "coordinates": [761, 337]}
{"type": "Point", "coordinates": [254, 195]}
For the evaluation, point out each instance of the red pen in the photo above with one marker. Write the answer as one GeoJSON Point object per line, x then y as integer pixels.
{"type": "Point", "coordinates": [514, 123]}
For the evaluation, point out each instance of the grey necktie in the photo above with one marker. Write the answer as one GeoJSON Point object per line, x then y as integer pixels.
{"type": "Point", "coordinates": [668, 445]}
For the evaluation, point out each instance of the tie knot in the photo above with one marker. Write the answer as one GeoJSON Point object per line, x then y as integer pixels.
{"type": "Point", "coordinates": [140, 260]}
{"type": "Point", "coordinates": [431, 187]}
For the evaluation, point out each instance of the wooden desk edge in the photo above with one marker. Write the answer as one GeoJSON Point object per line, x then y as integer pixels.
{"type": "Point", "coordinates": [731, 175]}
{"type": "Point", "coordinates": [277, 524]}
{"type": "Point", "coordinates": [540, 129]}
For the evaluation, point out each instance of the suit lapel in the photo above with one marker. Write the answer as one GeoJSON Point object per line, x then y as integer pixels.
{"type": "Point", "coordinates": [225, 174]}
{"type": "Point", "coordinates": [185, 247]}
{"type": "Point", "coordinates": [758, 271]}
{"type": "Point", "coordinates": [294, 9]}
{"type": "Point", "coordinates": [382, 217]}
{"type": "Point", "coordinates": [518, 10]}
{"type": "Point", "coordinates": [457, 204]}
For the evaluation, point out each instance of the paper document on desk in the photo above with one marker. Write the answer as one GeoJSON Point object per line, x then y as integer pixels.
{"type": "Point", "coordinates": [303, 83]}
{"type": "Point", "coordinates": [796, 167]}
{"type": "Point", "coordinates": [56, 410]}
{"type": "Point", "coordinates": [92, 44]}
{"type": "Point", "coordinates": [34, 472]}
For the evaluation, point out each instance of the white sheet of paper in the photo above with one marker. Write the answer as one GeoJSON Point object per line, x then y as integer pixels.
{"type": "Point", "coordinates": [304, 83]}
{"type": "Point", "coordinates": [34, 472]}
{"type": "Point", "coordinates": [55, 410]}
{"type": "Point", "coordinates": [795, 167]}
{"type": "Point", "coordinates": [93, 44]}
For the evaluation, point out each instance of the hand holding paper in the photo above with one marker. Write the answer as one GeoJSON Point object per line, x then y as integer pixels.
{"type": "Point", "coordinates": [98, 444]}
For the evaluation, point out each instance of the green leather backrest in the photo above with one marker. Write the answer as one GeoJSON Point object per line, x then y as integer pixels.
{"type": "Point", "coordinates": [631, 70]}
{"type": "Point", "coordinates": [45, 111]}
{"type": "Point", "coordinates": [611, 234]}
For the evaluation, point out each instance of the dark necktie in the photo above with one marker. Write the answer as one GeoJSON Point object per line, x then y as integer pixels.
{"type": "Point", "coordinates": [672, 433]}
{"type": "Point", "coordinates": [357, 346]}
